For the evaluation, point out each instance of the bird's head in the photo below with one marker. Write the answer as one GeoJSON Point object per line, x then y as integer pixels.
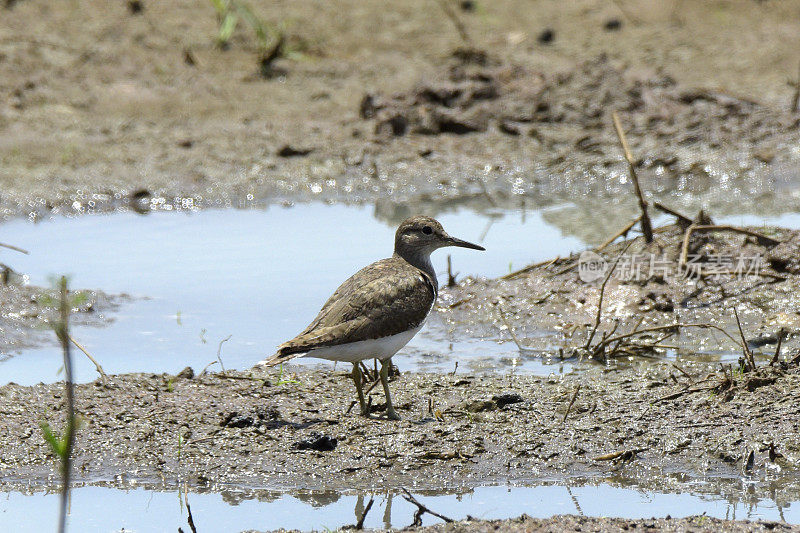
{"type": "Point", "coordinates": [421, 235]}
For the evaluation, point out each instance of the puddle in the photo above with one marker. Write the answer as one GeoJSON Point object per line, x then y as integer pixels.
{"type": "Point", "coordinates": [105, 509]}
{"type": "Point", "coordinates": [258, 276]}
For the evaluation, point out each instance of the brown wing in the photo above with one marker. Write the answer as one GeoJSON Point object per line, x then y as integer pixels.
{"type": "Point", "coordinates": [382, 299]}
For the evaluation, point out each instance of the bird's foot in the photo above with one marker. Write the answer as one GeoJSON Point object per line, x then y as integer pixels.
{"type": "Point", "coordinates": [391, 414]}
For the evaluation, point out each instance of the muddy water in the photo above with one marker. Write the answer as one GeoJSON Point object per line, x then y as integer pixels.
{"type": "Point", "coordinates": [258, 276]}
{"type": "Point", "coordinates": [98, 508]}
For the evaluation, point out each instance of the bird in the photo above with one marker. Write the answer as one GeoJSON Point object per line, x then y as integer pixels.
{"type": "Point", "coordinates": [375, 312]}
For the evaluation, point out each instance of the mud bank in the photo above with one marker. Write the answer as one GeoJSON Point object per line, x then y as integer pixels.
{"type": "Point", "coordinates": [655, 426]}
{"type": "Point", "coordinates": [109, 108]}
{"type": "Point", "coordinates": [549, 310]}
{"type": "Point", "coordinates": [602, 525]}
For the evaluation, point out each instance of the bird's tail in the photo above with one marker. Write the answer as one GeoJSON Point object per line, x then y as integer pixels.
{"type": "Point", "coordinates": [279, 358]}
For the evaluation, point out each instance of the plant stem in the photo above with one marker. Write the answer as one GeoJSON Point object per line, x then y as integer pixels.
{"type": "Point", "coordinates": [62, 331]}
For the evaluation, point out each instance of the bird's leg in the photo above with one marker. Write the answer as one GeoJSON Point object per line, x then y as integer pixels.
{"type": "Point", "coordinates": [357, 380]}
{"type": "Point", "coordinates": [390, 412]}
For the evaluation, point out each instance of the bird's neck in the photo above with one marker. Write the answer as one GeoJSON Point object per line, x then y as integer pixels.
{"type": "Point", "coordinates": [420, 259]}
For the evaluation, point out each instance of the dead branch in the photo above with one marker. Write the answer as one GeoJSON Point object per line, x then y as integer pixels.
{"type": "Point", "coordinates": [682, 371]}
{"type": "Point", "coordinates": [685, 247]}
{"type": "Point", "coordinates": [622, 455]}
{"type": "Point", "coordinates": [676, 326]}
{"type": "Point", "coordinates": [647, 226]}
{"type": "Point", "coordinates": [683, 392]}
{"type": "Point", "coordinates": [510, 329]}
{"type": "Point", "coordinates": [528, 268]}
{"type": "Point", "coordinates": [682, 219]}
{"type": "Point", "coordinates": [451, 278]}
{"type": "Point", "coordinates": [796, 97]}
{"type": "Point", "coordinates": [92, 359]}
{"type": "Point", "coordinates": [460, 28]}
{"type": "Point", "coordinates": [733, 229]}
{"type": "Point", "coordinates": [10, 247]}
{"type": "Point", "coordinates": [421, 509]}
{"type": "Point", "coordinates": [599, 315]}
{"type": "Point", "coordinates": [748, 355]}
{"type": "Point", "coordinates": [781, 335]}
{"type": "Point", "coordinates": [189, 519]}
{"type": "Point", "coordinates": [571, 402]}
{"type": "Point", "coordinates": [219, 351]}
{"type": "Point", "coordinates": [621, 233]}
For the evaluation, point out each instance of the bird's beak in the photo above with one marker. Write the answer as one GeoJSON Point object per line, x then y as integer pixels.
{"type": "Point", "coordinates": [452, 241]}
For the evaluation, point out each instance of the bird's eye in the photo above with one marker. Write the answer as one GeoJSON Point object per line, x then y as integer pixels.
{"type": "Point", "coordinates": [427, 230]}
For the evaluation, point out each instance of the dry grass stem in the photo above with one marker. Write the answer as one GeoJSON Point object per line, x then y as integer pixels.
{"type": "Point", "coordinates": [647, 225]}
{"type": "Point", "coordinates": [16, 249]}
{"type": "Point", "coordinates": [621, 233]}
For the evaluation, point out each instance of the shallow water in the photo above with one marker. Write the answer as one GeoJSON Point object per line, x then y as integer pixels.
{"type": "Point", "coordinates": [96, 508]}
{"type": "Point", "coordinates": [258, 276]}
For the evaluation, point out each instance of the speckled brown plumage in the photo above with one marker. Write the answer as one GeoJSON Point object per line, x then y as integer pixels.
{"type": "Point", "coordinates": [387, 297]}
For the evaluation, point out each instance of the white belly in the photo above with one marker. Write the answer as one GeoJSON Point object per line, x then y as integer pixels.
{"type": "Point", "coordinates": [382, 348]}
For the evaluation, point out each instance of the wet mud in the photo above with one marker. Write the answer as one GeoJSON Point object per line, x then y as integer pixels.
{"type": "Point", "coordinates": [551, 312]}
{"type": "Point", "coordinates": [656, 426]}
{"type": "Point", "coordinates": [600, 525]}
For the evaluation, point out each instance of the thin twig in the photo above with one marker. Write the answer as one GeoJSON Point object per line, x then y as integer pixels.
{"type": "Point", "coordinates": [682, 371]}
{"type": "Point", "coordinates": [97, 366]}
{"type": "Point", "coordinates": [796, 97]}
{"type": "Point", "coordinates": [671, 326]}
{"type": "Point", "coordinates": [190, 519]}
{"type": "Point", "coordinates": [621, 233]}
{"type": "Point", "coordinates": [712, 227]}
{"type": "Point", "coordinates": [205, 369]}
{"type": "Point", "coordinates": [685, 247]}
{"type": "Point", "coordinates": [565, 269]}
{"type": "Point", "coordinates": [748, 355]}
{"type": "Point", "coordinates": [62, 331]}
{"type": "Point", "coordinates": [528, 268]}
{"type": "Point", "coordinates": [571, 402]}
{"type": "Point", "coordinates": [219, 351]}
{"type": "Point", "coordinates": [10, 247]}
{"type": "Point", "coordinates": [460, 28]}
{"type": "Point", "coordinates": [781, 335]}
{"type": "Point", "coordinates": [411, 499]}
{"type": "Point", "coordinates": [627, 13]}
{"type": "Point", "coordinates": [682, 393]}
{"type": "Point", "coordinates": [682, 219]}
{"type": "Point", "coordinates": [622, 453]}
{"type": "Point", "coordinates": [510, 329]}
{"type": "Point", "coordinates": [734, 229]}
{"type": "Point", "coordinates": [599, 315]}
{"type": "Point", "coordinates": [647, 226]}
{"type": "Point", "coordinates": [451, 278]}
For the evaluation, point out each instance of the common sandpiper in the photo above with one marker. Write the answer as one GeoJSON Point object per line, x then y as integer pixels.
{"type": "Point", "coordinates": [379, 309]}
